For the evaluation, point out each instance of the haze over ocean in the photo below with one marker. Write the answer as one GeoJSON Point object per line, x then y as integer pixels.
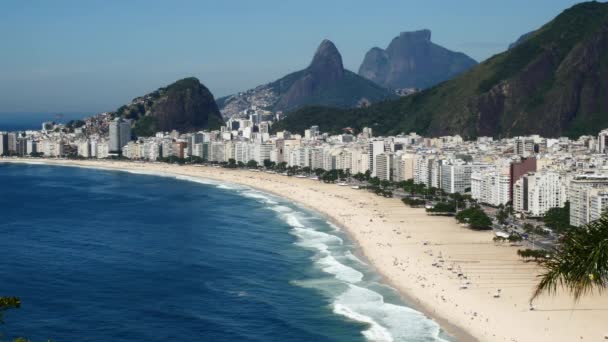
{"type": "Point", "coordinates": [129, 257]}
{"type": "Point", "coordinates": [33, 121]}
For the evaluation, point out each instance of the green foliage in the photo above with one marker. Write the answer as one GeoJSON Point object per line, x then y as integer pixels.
{"type": "Point", "coordinates": [269, 164]}
{"type": "Point", "coordinates": [74, 124]}
{"type": "Point", "coordinates": [414, 202]}
{"type": "Point", "coordinates": [172, 160]}
{"type": "Point", "coordinates": [558, 219]}
{"type": "Point", "coordinates": [252, 164]}
{"type": "Point", "coordinates": [7, 303]}
{"type": "Point", "coordinates": [579, 263]}
{"type": "Point", "coordinates": [475, 217]}
{"type": "Point", "coordinates": [536, 254]}
{"type": "Point", "coordinates": [145, 127]}
{"type": "Point", "coordinates": [447, 208]}
{"type": "Point", "coordinates": [502, 215]}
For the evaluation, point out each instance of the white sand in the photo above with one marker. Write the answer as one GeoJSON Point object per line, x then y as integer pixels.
{"type": "Point", "coordinates": [392, 237]}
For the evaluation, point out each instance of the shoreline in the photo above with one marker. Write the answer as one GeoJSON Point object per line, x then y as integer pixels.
{"type": "Point", "coordinates": [468, 315]}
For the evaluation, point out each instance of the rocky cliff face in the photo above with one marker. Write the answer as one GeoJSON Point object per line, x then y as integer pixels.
{"type": "Point", "coordinates": [185, 105]}
{"type": "Point", "coordinates": [552, 83]}
{"type": "Point", "coordinates": [323, 82]}
{"type": "Point", "coordinates": [412, 61]}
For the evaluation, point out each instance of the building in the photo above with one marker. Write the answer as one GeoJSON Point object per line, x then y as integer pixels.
{"type": "Point", "coordinates": [3, 143]}
{"type": "Point", "coordinates": [602, 142]}
{"type": "Point", "coordinates": [31, 147]}
{"type": "Point", "coordinates": [383, 166]}
{"type": "Point", "coordinates": [455, 177]}
{"type": "Point", "coordinates": [491, 187]}
{"type": "Point", "coordinates": [524, 146]}
{"type": "Point", "coordinates": [537, 192]}
{"type": "Point", "coordinates": [580, 190]}
{"type": "Point", "coordinates": [12, 142]}
{"type": "Point", "coordinates": [598, 203]}
{"type": "Point", "coordinates": [519, 169]}
{"type": "Point", "coordinates": [375, 148]}
{"type": "Point", "coordinates": [120, 134]}
{"type": "Point", "coordinates": [404, 167]}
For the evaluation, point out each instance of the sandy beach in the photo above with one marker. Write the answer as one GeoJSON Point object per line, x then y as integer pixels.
{"type": "Point", "coordinates": [422, 256]}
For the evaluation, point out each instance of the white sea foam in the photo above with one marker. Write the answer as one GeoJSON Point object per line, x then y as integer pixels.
{"type": "Point", "coordinates": [387, 321]}
{"type": "Point", "coordinates": [281, 209]}
{"type": "Point", "coordinates": [259, 196]}
{"type": "Point", "coordinates": [311, 234]}
{"type": "Point", "coordinates": [333, 226]}
{"type": "Point", "coordinates": [293, 220]}
{"type": "Point", "coordinates": [375, 332]}
{"type": "Point", "coordinates": [352, 257]}
{"type": "Point", "coordinates": [228, 187]}
{"type": "Point", "coordinates": [330, 265]}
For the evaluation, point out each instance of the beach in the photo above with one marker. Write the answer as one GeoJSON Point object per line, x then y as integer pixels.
{"type": "Point", "coordinates": [475, 289]}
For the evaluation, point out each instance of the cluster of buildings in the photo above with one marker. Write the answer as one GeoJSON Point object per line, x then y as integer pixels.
{"type": "Point", "coordinates": [533, 173]}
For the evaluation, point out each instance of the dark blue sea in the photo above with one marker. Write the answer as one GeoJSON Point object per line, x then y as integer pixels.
{"type": "Point", "coordinates": [10, 122]}
{"type": "Point", "coordinates": [100, 255]}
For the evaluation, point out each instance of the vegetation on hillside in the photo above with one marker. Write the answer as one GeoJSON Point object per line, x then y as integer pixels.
{"type": "Point", "coordinates": [551, 84]}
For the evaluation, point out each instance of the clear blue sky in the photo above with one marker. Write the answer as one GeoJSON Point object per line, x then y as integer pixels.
{"type": "Point", "coordinates": [94, 55]}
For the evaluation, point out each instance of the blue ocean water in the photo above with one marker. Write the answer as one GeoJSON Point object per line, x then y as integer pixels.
{"type": "Point", "coordinates": [112, 256]}
{"type": "Point", "coordinates": [33, 121]}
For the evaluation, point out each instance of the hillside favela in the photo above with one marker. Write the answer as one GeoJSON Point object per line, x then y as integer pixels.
{"type": "Point", "coordinates": [216, 172]}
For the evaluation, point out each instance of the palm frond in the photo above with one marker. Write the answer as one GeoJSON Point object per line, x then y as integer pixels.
{"type": "Point", "coordinates": [579, 264]}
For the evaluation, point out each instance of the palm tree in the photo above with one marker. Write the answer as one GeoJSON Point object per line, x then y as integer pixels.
{"type": "Point", "coordinates": [580, 262]}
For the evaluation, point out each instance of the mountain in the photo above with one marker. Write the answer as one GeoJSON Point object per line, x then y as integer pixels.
{"type": "Point", "coordinates": [185, 105]}
{"type": "Point", "coordinates": [411, 60]}
{"type": "Point", "coordinates": [323, 82]}
{"type": "Point", "coordinates": [522, 38]}
{"type": "Point", "coordinates": [553, 83]}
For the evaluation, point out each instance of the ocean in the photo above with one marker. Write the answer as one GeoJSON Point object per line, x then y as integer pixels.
{"type": "Point", "coordinates": [10, 122]}
{"type": "Point", "coordinates": [99, 255]}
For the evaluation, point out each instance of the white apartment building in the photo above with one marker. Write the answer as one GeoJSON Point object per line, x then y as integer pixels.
{"type": "Point", "coordinates": [84, 148]}
{"type": "Point", "coordinates": [403, 167]}
{"type": "Point", "coordinates": [490, 186]}
{"type": "Point", "coordinates": [580, 190]}
{"type": "Point", "coordinates": [375, 148]}
{"type": "Point", "coordinates": [536, 193]}
{"type": "Point", "coordinates": [598, 203]}
{"type": "Point", "coordinates": [455, 176]}
{"type": "Point", "coordinates": [383, 166]}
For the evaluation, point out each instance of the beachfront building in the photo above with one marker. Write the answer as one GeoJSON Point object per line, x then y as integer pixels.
{"type": "Point", "coordinates": [383, 166]}
{"type": "Point", "coordinates": [455, 176]}
{"type": "Point", "coordinates": [425, 169]}
{"type": "Point", "coordinates": [598, 203]}
{"type": "Point", "coordinates": [3, 143]}
{"type": "Point", "coordinates": [84, 148]}
{"type": "Point", "coordinates": [580, 191]}
{"type": "Point", "coordinates": [375, 148]}
{"type": "Point", "coordinates": [537, 192]}
{"type": "Point", "coordinates": [490, 186]}
{"type": "Point", "coordinates": [404, 167]}
{"type": "Point", "coordinates": [119, 134]}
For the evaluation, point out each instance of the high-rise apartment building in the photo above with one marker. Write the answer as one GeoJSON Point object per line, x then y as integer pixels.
{"type": "Point", "coordinates": [120, 134]}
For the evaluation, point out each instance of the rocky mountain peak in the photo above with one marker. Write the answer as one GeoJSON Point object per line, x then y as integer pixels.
{"type": "Point", "coordinates": [411, 60]}
{"type": "Point", "coordinates": [327, 61]}
{"type": "Point", "coordinates": [420, 35]}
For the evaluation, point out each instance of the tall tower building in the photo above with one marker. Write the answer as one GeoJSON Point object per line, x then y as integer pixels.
{"type": "Point", "coordinates": [602, 141]}
{"type": "Point", "coordinates": [3, 143]}
{"type": "Point", "coordinates": [12, 142]}
{"type": "Point", "coordinates": [120, 134]}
